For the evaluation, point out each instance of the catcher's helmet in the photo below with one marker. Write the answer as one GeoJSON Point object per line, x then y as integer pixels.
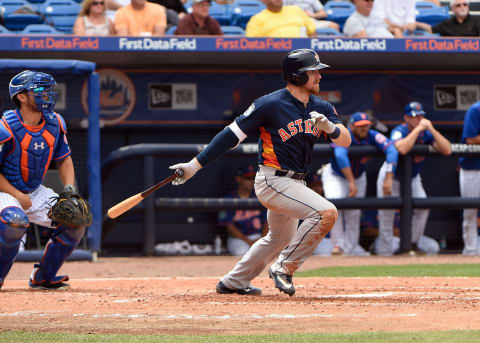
{"type": "Point", "coordinates": [414, 109]}
{"type": "Point", "coordinates": [297, 62]}
{"type": "Point", "coordinates": [40, 84]}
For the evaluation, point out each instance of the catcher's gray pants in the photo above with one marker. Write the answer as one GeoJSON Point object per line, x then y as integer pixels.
{"type": "Point", "coordinates": [387, 217]}
{"type": "Point", "coordinates": [470, 187]}
{"type": "Point", "coordinates": [287, 201]}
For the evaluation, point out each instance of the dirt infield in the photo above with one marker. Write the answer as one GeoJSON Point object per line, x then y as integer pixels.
{"type": "Point", "coordinates": [175, 295]}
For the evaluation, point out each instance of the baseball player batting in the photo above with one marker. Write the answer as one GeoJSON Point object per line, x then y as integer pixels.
{"type": "Point", "coordinates": [31, 136]}
{"type": "Point", "coordinates": [289, 122]}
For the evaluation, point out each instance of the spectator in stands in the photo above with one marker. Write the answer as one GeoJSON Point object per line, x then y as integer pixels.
{"type": "Point", "coordinates": [415, 130]}
{"type": "Point", "coordinates": [199, 22]}
{"type": "Point", "coordinates": [469, 180]}
{"type": "Point", "coordinates": [175, 10]}
{"type": "Point", "coordinates": [399, 15]}
{"type": "Point", "coordinates": [114, 5]}
{"type": "Point", "coordinates": [461, 24]}
{"type": "Point", "coordinates": [92, 20]}
{"type": "Point", "coordinates": [314, 9]}
{"type": "Point", "coordinates": [345, 177]}
{"type": "Point", "coordinates": [361, 24]}
{"type": "Point", "coordinates": [244, 227]}
{"type": "Point", "coordinates": [280, 21]}
{"type": "Point", "coordinates": [141, 18]}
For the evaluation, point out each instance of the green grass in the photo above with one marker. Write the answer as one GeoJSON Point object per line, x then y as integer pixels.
{"type": "Point", "coordinates": [375, 337]}
{"type": "Point", "coordinates": [467, 270]}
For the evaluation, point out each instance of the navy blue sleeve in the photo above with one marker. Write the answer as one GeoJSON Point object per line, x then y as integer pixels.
{"type": "Point", "coordinates": [331, 113]}
{"type": "Point", "coordinates": [253, 117]}
{"type": "Point", "coordinates": [220, 144]}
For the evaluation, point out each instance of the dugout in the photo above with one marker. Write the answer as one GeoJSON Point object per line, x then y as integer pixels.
{"type": "Point", "coordinates": [186, 95]}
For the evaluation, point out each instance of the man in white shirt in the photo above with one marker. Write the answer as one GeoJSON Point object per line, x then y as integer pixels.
{"type": "Point", "coordinates": [362, 24]}
{"type": "Point", "coordinates": [399, 15]}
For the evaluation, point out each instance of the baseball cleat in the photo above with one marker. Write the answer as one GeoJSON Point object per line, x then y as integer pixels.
{"type": "Point", "coordinates": [48, 286]}
{"type": "Point", "coordinates": [250, 290]}
{"type": "Point", "coordinates": [282, 281]}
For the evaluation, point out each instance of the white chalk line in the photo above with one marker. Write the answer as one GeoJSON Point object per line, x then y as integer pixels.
{"type": "Point", "coordinates": [205, 316]}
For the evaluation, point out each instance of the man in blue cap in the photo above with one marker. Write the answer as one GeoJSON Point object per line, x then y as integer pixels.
{"type": "Point", "coordinates": [415, 130]}
{"type": "Point", "coordinates": [345, 177]}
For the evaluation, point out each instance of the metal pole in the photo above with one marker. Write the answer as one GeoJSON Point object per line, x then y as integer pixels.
{"type": "Point", "coordinates": [149, 214]}
{"type": "Point", "coordinates": [406, 210]}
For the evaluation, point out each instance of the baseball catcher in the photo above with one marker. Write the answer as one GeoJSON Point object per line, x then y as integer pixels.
{"type": "Point", "coordinates": [31, 137]}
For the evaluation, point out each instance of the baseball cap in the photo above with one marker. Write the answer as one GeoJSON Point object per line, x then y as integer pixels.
{"type": "Point", "coordinates": [360, 119]}
{"type": "Point", "coordinates": [246, 171]}
{"type": "Point", "coordinates": [414, 109]}
{"type": "Point", "coordinates": [199, 1]}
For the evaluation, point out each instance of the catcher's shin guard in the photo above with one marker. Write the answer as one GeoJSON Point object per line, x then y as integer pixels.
{"type": "Point", "coordinates": [64, 240]}
{"type": "Point", "coordinates": [13, 225]}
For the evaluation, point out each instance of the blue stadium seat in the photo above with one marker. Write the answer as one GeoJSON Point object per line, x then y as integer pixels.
{"type": "Point", "coordinates": [40, 29]}
{"type": "Point", "coordinates": [243, 10]}
{"type": "Point", "coordinates": [327, 31]}
{"type": "Point", "coordinates": [430, 13]}
{"type": "Point", "coordinates": [61, 13]}
{"type": "Point", "coordinates": [420, 33]}
{"type": "Point", "coordinates": [10, 6]}
{"type": "Point", "coordinates": [5, 31]}
{"type": "Point", "coordinates": [223, 13]}
{"type": "Point", "coordinates": [18, 21]}
{"type": "Point", "coordinates": [171, 30]}
{"type": "Point", "coordinates": [233, 31]}
{"type": "Point", "coordinates": [339, 11]}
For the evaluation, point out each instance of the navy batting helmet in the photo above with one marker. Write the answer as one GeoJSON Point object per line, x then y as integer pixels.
{"type": "Point", "coordinates": [414, 109]}
{"type": "Point", "coordinates": [40, 84]}
{"type": "Point", "coordinates": [297, 62]}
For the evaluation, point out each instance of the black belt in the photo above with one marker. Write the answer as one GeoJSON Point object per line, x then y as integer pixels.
{"type": "Point", "coordinates": [295, 176]}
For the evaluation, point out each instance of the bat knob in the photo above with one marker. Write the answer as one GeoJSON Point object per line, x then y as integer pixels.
{"type": "Point", "coordinates": [179, 172]}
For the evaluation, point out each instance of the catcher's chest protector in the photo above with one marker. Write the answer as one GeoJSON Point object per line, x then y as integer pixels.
{"type": "Point", "coordinates": [26, 166]}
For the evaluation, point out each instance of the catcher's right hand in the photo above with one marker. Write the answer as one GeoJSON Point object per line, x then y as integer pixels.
{"type": "Point", "coordinates": [189, 169]}
{"type": "Point", "coordinates": [70, 210]}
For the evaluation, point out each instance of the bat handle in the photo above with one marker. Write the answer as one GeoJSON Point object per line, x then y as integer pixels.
{"type": "Point", "coordinates": [179, 172]}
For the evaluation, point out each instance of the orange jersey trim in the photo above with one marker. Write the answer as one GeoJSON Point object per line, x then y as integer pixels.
{"type": "Point", "coordinates": [50, 142]}
{"type": "Point", "coordinates": [24, 156]}
{"type": "Point", "coordinates": [268, 154]}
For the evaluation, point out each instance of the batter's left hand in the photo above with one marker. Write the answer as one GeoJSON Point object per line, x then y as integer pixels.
{"type": "Point", "coordinates": [321, 122]}
{"type": "Point", "coordinates": [189, 169]}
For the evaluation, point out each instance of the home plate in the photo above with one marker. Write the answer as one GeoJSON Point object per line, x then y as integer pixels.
{"type": "Point", "coordinates": [366, 295]}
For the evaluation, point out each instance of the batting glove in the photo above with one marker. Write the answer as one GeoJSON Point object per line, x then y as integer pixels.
{"type": "Point", "coordinates": [189, 169]}
{"type": "Point", "coordinates": [321, 122]}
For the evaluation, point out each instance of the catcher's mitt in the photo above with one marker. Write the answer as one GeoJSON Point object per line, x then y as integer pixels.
{"type": "Point", "coordinates": [71, 210]}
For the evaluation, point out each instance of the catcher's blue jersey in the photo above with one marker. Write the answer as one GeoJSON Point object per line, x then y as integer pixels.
{"type": "Point", "coordinates": [425, 137]}
{"type": "Point", "coordinates": [26, 151]}
{"type": "Point", "coordinates": [286, 139]}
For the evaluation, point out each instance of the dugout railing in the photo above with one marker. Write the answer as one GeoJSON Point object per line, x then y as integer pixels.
{"type": "Point", "coordinates": [405, 203]}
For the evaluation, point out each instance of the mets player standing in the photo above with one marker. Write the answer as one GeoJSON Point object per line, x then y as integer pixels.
{"type": "Point", "coordinates": [415, 130]}
{"type": "Point", "coordinates": [289, 121]}
{"type": "Point", "coordinates": [469, 176]}
{"type": "Point", "coordinates": [346, 176]}
{"type": "Point", "coordinates": [31, 136]}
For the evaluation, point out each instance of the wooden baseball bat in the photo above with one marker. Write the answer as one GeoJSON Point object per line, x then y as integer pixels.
{"type": "Point", "coordinates": [127, 204]}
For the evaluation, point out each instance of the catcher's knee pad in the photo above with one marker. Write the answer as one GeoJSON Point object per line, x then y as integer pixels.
{"type": "Point", "coordinates": [13, 225]}
{"type": "Point", "coordinates": [329, 217]}
{"type": "Point", "coordinates": [64, 240]}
